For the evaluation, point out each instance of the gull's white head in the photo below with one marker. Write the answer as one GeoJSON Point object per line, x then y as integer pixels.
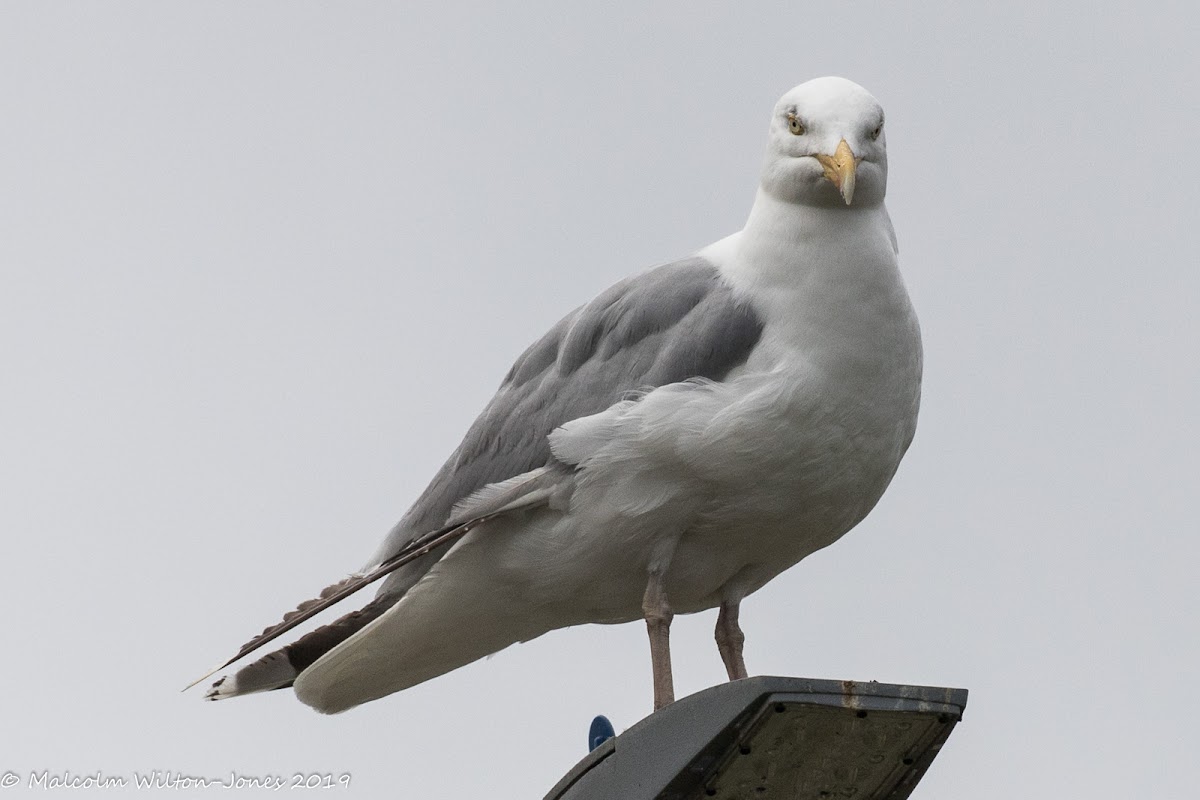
{"type": "Point", "coordinates": [826, 146]}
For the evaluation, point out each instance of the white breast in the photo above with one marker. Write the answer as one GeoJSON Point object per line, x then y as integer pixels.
{"type": "Point", "coordinates": [728, 484]}
{"type": "Point", "coordinates": [827, 402]}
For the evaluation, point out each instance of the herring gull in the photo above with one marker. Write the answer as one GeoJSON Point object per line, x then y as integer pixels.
{"type": "Point", "coordinates": [669, 447]}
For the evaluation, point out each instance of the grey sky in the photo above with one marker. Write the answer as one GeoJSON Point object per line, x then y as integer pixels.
{"type": "Point", "coordinates": [262, 265]}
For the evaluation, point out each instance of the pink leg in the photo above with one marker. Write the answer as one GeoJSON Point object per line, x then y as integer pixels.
{"type": "Point", "coordinates": [730, 640]}
{"type": "Point", "coordinates": [658, 624]}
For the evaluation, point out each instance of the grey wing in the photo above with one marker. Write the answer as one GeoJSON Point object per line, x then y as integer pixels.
{"type": "Point", "coordinates": [672, 323]}
{"type": "Point", "coordinates": [677, 321]}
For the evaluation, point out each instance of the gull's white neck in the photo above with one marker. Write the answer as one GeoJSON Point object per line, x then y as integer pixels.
{"type": "Point", "coordinates": [784, 242]}
{"type": "Point", "coordinates": [827, 284]}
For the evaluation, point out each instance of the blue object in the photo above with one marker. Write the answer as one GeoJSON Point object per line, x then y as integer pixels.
{"type": "Point", "coordinates": [600, 732]}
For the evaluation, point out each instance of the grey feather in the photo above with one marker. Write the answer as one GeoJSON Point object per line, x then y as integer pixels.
{"type": "Point", "coordinates": [674, 322]}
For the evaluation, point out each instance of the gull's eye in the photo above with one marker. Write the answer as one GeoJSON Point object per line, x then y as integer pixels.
{"type": "Point", "coordinates": [878, 130]}
{"type": "Point", "coordinates": [795, 125]}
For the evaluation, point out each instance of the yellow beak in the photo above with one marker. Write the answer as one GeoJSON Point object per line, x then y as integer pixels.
{"type": "Point", "coordinates": [839, 169]}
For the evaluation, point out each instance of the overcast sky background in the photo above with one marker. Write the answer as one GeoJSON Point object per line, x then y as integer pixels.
{"type": "Point", "coordinates": [262, 264]}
